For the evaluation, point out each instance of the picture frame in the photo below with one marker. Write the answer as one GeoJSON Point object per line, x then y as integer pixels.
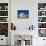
{"type": "Point", "coordinates": [23, 13]}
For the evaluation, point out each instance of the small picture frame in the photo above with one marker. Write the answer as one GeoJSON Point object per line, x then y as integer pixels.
{"type": "Point", "coordinates": [23, 13]}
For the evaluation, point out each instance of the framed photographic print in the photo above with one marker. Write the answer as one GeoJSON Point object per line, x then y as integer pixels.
{"type": "Point", "coordinates": [23, 13]}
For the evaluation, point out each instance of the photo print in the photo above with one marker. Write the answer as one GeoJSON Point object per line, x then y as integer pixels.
{"type": "Point", "coordinates": [23, 13]}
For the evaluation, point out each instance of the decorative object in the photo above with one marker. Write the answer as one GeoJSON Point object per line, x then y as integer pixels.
{"type": "Point", "coordinates": [43, 13]}
{"type": "Point", "coordinates": [27, 38]}
{"type": "Point", "coordinates": [3, 6]}
{"type": "Point", "coordinates": [6, 7]}
{"type": "Point", "coordinates": [3, 19]}
{"type": "Point", "coordinates": [41, 6]}
{"type": "Point", "coordinates": [31, 27]}
{"type": "Point", "coordinates": [23, 13]}
{"type": "Point", "coordinates": [42, 32]}
{"type": "Point", "coordinates": [43, 25]}
{"type": "Point", "coordinates": [4, 29]}
{"type": "Point", "coordinates": [23, 40]}
{"type": "Point", "coordinates": [42, 19]}
{"type": "Point", "coordinates": [13, 27]}
{"type": "Point", "coordinates": [3, 13]}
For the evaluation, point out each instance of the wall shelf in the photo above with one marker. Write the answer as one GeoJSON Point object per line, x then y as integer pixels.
{"type": "Point", "coordinates": [42, 19]}
{"type": "Point", "coordinates": [3, 16]}
{"type": "Point", "coordinates": [42, 16]}
{"type": "Point", "coordinates": [4, 19]}
{"type": "Point", "coordinates": [41, 22]}
{"type": "Point", "coordinates": [3, 10]}
{"type": "Point", "coordinates": [41, 28]}
{"type": "Point", "coordinates": [3, 22]}
{"type": "Point", "coordinates": [42, 10]}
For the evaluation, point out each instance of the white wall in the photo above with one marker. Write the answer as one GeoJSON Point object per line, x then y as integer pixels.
{"type": "Point", "coordinates": [23, 24]}
{"type": "Point", "coordinates": [32, 6]}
